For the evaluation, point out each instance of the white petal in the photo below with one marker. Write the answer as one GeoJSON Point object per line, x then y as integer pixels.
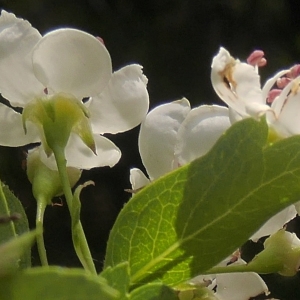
{"type": "Point", "coordinates": [80, 156]}
{"type": "Point", "coordinates": [287, 106]}
{"type": "Point", "coordinates": [72, 61]}
{"type": "Point", "coordinates": [123, 104]}
{"type": "Point", "coordinates": [158, 135]}
{"type": "Point", "coordinates": [275, 223]}
{"type": "Point", "coordinates": [18, 83]}
{"type": "Point", "coordinates": [199, 131]}
{"type": "Point", "coordinates": [279, 102]}
{"type": "Point", "coordinates": [138, 179]}
{"type": "Point", "coordinates": [11, 129]}
{"type": "Point", "coordinates": [239, 286]}
{"type": "Point", "coordinates": [237, 84]}
{"type": "Point", "coordinates": [234, 116]}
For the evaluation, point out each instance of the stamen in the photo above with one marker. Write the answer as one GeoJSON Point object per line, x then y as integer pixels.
{"type": "Point", "coordinates": [283, 82]}
{"type": "Point", "coordinates": [273, 94]}
{"type": "Point", "coordinates": [256, 58]}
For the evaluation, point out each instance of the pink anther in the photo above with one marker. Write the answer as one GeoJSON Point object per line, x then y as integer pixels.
{"type": "Point", "coordinates": [100, 39]}
{"type": "Point", "coordinates": [283, 82]}
{"type": "Point", "coordinates": [256, 58]}
{"type": "Point", "coordinates": [273, 94]}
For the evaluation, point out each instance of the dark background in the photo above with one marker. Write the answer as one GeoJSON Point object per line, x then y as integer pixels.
{"type": "Point", "coordinates": [175, 41]}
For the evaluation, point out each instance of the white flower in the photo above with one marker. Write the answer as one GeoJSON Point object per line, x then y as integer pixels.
{"type": "Point", "coordinates": [238, 85]}
{"type": "Point", "coordinates": [73, 63]}
{"type": "Point", "coordinates": [172, 135]}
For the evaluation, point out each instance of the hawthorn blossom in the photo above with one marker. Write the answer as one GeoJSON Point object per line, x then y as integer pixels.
{"type": "Point", "coordinates": [73, 65]}
{"type": "Point", "coordinates": [173, 134]}
{"type": "Point", "coordinates": [238, 85]}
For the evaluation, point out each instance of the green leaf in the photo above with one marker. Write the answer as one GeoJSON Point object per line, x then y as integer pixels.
{"type": "Point", "coordinates": [55, 283]}
{"type": "Point", "coordinates": [10, 204]}
{"type": "Point", "coordinates": [189, 220]}
{"type": "Point", "coordinates": [153, 291]}
{"type": "Point", "coordinates": [118, 278]}
{"type": "Point", "coordinates": [12, 250]}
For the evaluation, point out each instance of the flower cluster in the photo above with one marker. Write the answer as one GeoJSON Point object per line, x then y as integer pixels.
{"type": "Point", "coordinates": [64, 85]}
{"type": "Point", "coordinates": [173, 134]}
{"type": "Point", "coordinates": [61, 93]}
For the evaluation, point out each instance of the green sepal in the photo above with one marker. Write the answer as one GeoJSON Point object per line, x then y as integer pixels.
{"type": "Point", "coordinates": [280, 255]}
{"type": "Point", "coordinates": [56, 116]}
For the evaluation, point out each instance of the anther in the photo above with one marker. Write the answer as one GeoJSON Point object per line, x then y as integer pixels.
{"type": "Point", "coordinates": [273, 94]}
{"type": "Point", "coordinates": [256, 58]}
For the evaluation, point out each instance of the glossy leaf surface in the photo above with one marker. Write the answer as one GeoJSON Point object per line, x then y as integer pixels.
{"type": "Point", "coordinates": [189, 220]}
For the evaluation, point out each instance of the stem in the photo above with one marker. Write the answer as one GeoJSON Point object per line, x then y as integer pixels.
{"type": "Point", "coordinates": [41, 206]}
{"type": "Point", "coordinates": [229, 269]}
{"type": "Point", "coordinates": [79, 240]}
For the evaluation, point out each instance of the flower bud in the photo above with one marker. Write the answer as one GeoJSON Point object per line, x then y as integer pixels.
{"type": "Point", "coordinates": [281, 254]}
{"type": "Point", "coordinates": [46, 182]}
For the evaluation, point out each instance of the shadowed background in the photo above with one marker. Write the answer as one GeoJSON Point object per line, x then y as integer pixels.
{"type": "Point", "coordinates": [175, 41]}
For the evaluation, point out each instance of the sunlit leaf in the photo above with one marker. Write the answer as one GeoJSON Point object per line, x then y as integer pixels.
{"type": "Point", "coordinates": [189, 220]}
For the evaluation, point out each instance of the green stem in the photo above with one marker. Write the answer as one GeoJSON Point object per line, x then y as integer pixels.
{"type": "Point", "coordinates": [229, 269]}
{"type": "Point", "coordinates": [78, 236]}
{"type": "Point", "coordinates": [253, 266]}
{"type": "Point", "coordinates": [41, 206]}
